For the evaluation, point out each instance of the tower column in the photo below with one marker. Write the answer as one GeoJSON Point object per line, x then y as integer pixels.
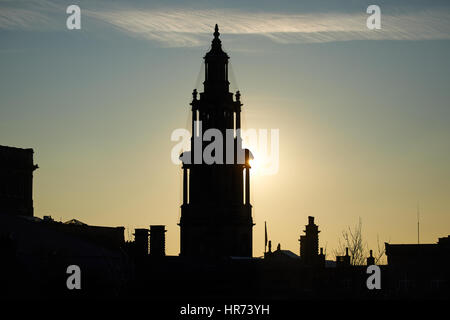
{"type": "Point", "coordinates": [185, 186]}
{"type": "Point", "coordinates": [194, 118]}
{"type": "Point", "coordinates": [238, 120]}
{"type": "Point", "coordinates": [247, 185]}
{"type": "Point", "coordinates": [215, 216]}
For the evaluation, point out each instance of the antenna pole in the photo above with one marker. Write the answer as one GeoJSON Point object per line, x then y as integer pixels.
{"type": "Point", "coordinates": [418, 224]}
{"type": "Point", "coordinates": [265, 237]}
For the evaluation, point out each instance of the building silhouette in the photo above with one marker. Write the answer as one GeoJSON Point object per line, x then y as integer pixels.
{"type": "Point", "coordinates": [216, 214]}
{"type": "Point", "coordinates": [35, 252]}
{"type": "Point", "coordinates": [16, 181]}
{"type": "Point", "coordinates": [419, 254]}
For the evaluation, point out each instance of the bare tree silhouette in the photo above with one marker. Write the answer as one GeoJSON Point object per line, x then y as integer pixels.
{"type": "Point", "coordinates": [380, 254]}
{"type": "Point", "coordinates": [357, 246]}
{"type": "Point", "coordinates": [353, 240]}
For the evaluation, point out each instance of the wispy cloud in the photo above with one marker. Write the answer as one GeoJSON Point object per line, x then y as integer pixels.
{"type": "Point", "coordinates": [24, 19]}
{"type": "Point", "coordinates": [183, 27]}
{"type": "Point", "coordinates": [189, 28]}
{"type": "Point", "coordinates": [31, 15]}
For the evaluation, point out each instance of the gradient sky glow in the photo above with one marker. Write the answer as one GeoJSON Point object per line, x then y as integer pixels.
{"type": "Point", "coordinates": [363, 115]}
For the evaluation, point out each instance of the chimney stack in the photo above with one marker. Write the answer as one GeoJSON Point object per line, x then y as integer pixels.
{"type": "Point", "coordinates": [157, 241]}
{"type": "Point", "coordinates": [309, 243]}
{"type": "Point", "coordinates": [343, 261]}
{"type": "Point", "coordinates": [321, 258]}
{"type": "Point", "coordinates": [371, 259]}
{"type": "Point", "coordinates": [141, 242]}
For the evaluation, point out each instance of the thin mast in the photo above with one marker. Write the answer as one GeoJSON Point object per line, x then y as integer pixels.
{"type": "Point", "coordinates": [418, 224]}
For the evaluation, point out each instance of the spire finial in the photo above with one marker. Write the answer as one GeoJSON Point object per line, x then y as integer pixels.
{"type": "Point", "coordinates": [216, 45]}
{"type": "Point", "coordinates": [216, 32]}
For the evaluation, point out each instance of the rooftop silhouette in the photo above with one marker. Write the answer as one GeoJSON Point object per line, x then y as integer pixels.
{"type": "Point", "coordinates": [216, 230]}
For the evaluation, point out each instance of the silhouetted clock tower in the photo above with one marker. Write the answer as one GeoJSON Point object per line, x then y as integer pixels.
{"type": "Point", "coordinates": [216, 214]}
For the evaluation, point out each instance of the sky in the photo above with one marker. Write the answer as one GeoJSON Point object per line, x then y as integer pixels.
{"type": "Point", "coordinates": [362, 114]}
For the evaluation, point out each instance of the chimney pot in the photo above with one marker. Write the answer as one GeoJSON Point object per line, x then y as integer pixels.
{"type": "Point", "coordinates": [157, 240]}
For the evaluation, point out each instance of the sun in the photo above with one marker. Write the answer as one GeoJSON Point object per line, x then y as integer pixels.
{"type": "Point", "coordinates": [254, 164]}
